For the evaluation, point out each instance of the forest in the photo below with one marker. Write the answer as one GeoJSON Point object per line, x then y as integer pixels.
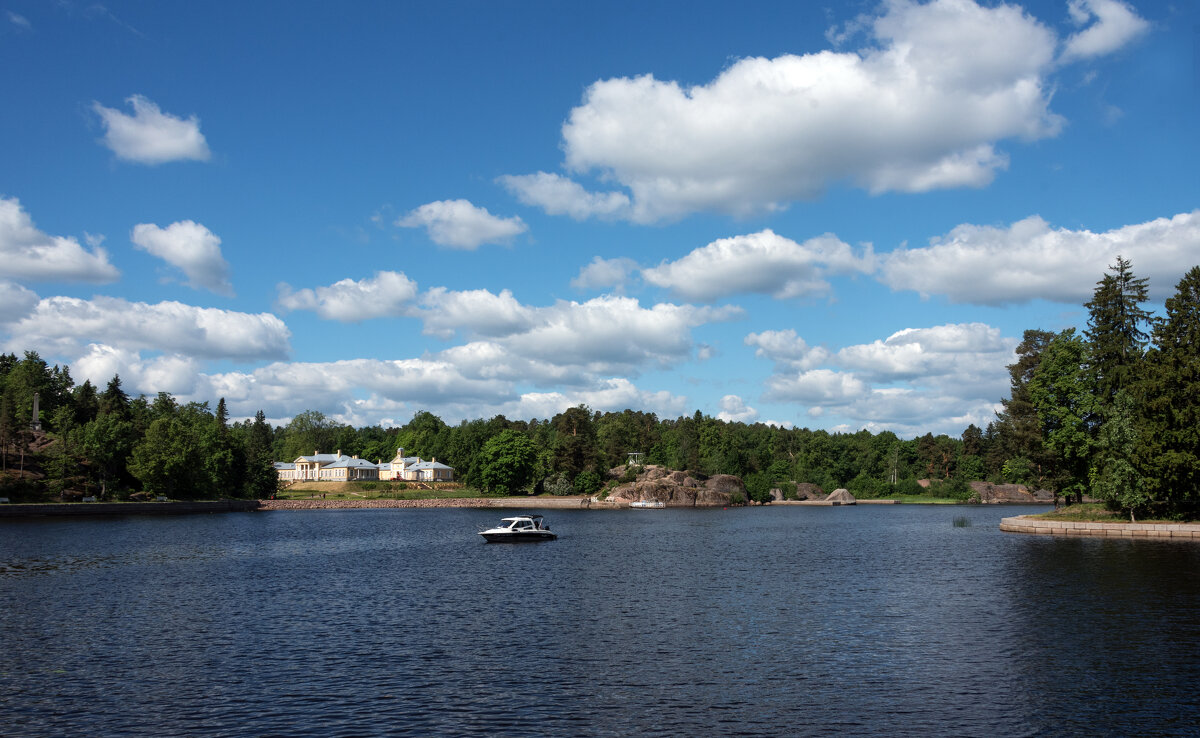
{"type": "Point", "coordinates": [1112, 412]}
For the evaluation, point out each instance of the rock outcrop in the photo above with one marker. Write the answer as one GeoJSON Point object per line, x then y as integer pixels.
{"type": "Point", "coordinates": [804, 491]}
{"type": "Point", "coordinates": [676, 488]}
{"type": "Point", "coordinates": [841, 495]}
{"type": "Point", "coordinates": [997, 494]}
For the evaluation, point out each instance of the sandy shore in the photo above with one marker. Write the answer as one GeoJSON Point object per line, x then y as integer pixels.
{"type": "Point", "coordinates": [572, 501]}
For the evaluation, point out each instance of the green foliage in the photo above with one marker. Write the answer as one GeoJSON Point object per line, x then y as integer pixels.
{"type": "Point", "coordinates": [1062, 393]}
{"type": "Point", "coordinates": [868, 487]}
{"type": "Point", "coordinates": [953, 489]}
{"type": "Point", "coordinates": [758, 487]}
{"type": "Point", "coordinates": [1168, 446]}
{"type": "Point", "coordinates": [1019, 470]}
{"type": "Point", "coordinates": [1114, 479]}
{"type": "Point", "coordinates": [587, 483]}
{"type": "Point", "coordinates": [1116, 330]}
{"type": "Point", "coordinates": [559, 485]}
{"type": "Point", "coordinates": [507, 463]}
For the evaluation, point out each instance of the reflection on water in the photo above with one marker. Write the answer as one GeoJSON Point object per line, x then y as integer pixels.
{"type": "Point", "coordinates": [766, 621]}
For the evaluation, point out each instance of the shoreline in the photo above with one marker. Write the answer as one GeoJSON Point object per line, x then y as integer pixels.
{"type": "Point", "coordinates": [1034, 526]}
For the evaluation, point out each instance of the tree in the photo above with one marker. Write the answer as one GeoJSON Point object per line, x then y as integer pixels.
{"type": "Point", "coordinates": [1018, 430]}
{"type": "Point", "coordinates": [1168, 448]}
{"type": "Point", "coordinates": [1114, 478]}
{"type": "Point", "coordinates": [574, 441]}
{"type": "Point", "coordinates": [507, 463]}
{"type": "Point", "coordinates": [1061, 394]}
{"type": "Point", "coordinates": [1116, 323]}
{"type": "Point", "coordinates": [309, 432]}
{"type": "Point", "coordinates": [261, 480]}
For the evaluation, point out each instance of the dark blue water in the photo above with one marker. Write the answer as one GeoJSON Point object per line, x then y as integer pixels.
{"type": "Point", "coordinates": [766, 621]}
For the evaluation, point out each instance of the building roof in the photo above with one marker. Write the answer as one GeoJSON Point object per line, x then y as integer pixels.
{"type": "Point", "coordinates": [430, 465]}
{"type": "Point", "coordinates": [349, 463]}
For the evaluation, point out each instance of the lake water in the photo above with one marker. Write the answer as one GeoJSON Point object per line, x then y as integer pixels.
{"type": "Point", "coordinates": [885, 621]}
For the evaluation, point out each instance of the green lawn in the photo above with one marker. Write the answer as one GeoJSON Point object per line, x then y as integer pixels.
{"type": "Point", "coordinates": [1096, 512]}
{"type": "Point", "coordinates": [369, 491]}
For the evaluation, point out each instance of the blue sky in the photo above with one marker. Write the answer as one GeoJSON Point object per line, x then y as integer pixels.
{"type": "Point", "coordinates": [839, 216]}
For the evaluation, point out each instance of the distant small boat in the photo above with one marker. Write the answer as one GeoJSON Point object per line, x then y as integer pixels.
{"type": "Point", "coordinates": [648, 504]}
{"type": "Point", "coordinates": [519, 528]}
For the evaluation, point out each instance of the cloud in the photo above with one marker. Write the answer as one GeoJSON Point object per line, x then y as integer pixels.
{"type": "Point", "coordinates": [763, 262]}
{"type": "Point", "coordinates": [29, 254]}
{"type": "Point", "coordinates": [603, 273]}
{"type": "Point", "coordinates": [787, 350]}
{"type": "Point", "coordinates": [816, 387]}
{"type": "Point", "coordinates": [734, 410]}
{"type": "Point", "coordinates": [567, 342]}
{"type": "Point", "coordinates": [19, 21]}
{"type": "Point", "coordinates": [477, 311]}
{"type": "Point", "coordinates": [558, 195]}
{"type": "Point", "coordinates": [150, 136]}
{"type": "Point", "coordinates": [15, 301]}
{"type": "Point", "coordinates": [921, 106]}
{"type": "Point", "coordinates": [1116, 25]}
{"type": "Point", "coordinates": [940, 378]}
{"type": "Point", "coordinates": [63, 324]}
{"type": "Point", "coordinates": [607, 395]}
{"type": "Point", "coordinates": [1030, 260]}
{"type": "Point", "coordinates": [192, 248]}
{"type": "Point", "coordinates": [178, 375]}
{"type": "Point", "coordinates": [387, 294]}
{"type": "Point", "coordinates": [460, 225]}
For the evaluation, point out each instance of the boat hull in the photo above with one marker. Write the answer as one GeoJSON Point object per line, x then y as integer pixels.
{"type": "Point", "coordinates": [508, 536]}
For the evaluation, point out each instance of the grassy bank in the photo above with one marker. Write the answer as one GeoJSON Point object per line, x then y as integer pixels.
{"type": "Point", "coordinates": [374, 491]}
{"type": "Point", "coordinates": [1096, 512]}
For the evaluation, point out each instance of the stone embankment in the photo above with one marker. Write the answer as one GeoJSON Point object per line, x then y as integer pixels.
{"type": "Point", "coordinates": [1173, 531]}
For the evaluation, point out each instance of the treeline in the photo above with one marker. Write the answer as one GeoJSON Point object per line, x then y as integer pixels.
{"type": "Point", "coordinates": [1113, 413]}
{"type": "Point", "coordinates": [111, 446]}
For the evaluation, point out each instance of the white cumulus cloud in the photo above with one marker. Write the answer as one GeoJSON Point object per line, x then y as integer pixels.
{"type": "Point", "coordinates": [559, 195]}
{"type": "Point", "coordinates": [735, 410]}
{"type": "Point", "coordinates": [602, 273]}
{"type": "Point", "coordinates": [387, 294]}
{"type": "Point", "coordinates": [29, 254]}
{"type": "Point", "coordinates": [1029, 260]}
{"type": "Point", "coordinates": [459, 224]}
{"type": "Point", "coordinates": [64, 324]}
{"type": "Point", "coordinates": [762, 262]}
{"type": "Point", "coordinates": [150, 136]}
{"type": "Point", "coordinates": [191, 247]}
{"type": "Point", "coordinates": [1116, 25]}
{"type": "Point", "coordinates": [15, 301]}
{"type": "Point", "coordinates": [941, 378]}
{"type": "Point", "coordinates": [921, 106]}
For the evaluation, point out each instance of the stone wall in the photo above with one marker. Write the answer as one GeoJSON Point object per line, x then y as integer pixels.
{"type": "Point", "coordinates": [1176, 531]}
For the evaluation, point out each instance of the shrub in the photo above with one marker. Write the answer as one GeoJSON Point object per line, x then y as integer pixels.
{"type": "Point", "coordinates": [587, 482]}
{"type": "Point", "coordinates": [559, 485]}
{"type": "Point", "coordinates": [868, 487]}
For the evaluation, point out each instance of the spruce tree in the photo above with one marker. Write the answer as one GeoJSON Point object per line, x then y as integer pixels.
{"type": "Point", "coordinates": [1116, 330]}
{"type": "Point", "coordinates": [1168, 450]}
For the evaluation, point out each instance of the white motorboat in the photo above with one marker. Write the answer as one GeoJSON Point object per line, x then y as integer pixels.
{"type": "Point", "coordinates": [648, 504]}
{"type": "Point", "coordinates": [519, 528]}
